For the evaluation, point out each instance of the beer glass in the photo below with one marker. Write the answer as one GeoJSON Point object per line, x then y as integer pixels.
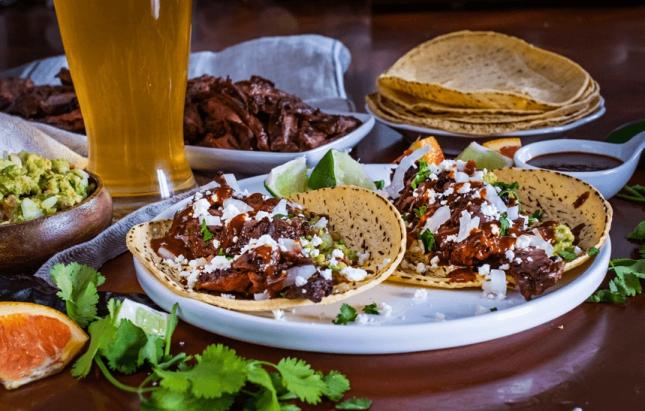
{"type": "Point", "coordinates": [128, 60]}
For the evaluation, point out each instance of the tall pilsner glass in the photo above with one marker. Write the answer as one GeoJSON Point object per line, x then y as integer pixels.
{"type": "Point", "coordinates": [128, 60]}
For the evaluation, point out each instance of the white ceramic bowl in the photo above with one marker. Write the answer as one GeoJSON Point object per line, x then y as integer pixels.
{"type": "Point", "coordinates": [608, 182]}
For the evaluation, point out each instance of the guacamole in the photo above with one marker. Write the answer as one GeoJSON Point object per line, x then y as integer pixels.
{"type": "Point", "coordinates": [563, 238]}
{"type": "Point", "coordinates": [32, 186]}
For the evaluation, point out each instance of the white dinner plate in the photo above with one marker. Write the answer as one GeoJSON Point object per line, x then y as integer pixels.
{"type": "Point", "coordinates": [519, 133]}
{"type": "Point", "coordinates": [417, 322]}
{"type": "Point", "coordinates": [259, 162]}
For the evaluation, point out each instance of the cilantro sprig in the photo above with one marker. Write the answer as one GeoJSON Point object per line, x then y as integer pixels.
{"type": "Point", "coordinates": [504, 224]}
{"type": "Point", "coordinates": [634, 192]}
{"type": "Point", "coordinates": [421, 211]}
{"type": "Point", "coordinates": [217, 379]}
{"type": "Point", "coordinates": [568, 254]}
{"type": "Point", "coordinates": [371, 309]}
{"type": "Point", "coordinates": [77, 286]}
{"type": "Point", "coordinates": [627, 274]}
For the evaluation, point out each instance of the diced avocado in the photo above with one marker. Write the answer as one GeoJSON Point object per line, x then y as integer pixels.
{"type": "Point", "coordinates": [563, 238]}
{"type": "Point", "coordinates": [490, 177]}
{"type": "Point", "coordinates": [32, 186]}
{"type": "Point", "coordinates": [30, 209]}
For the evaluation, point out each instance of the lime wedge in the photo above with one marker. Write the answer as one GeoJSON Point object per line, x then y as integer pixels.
{"type": "Point", "coordinates": [287, 179]}
{"type": "Point", "coordinates": [148, 319]}
{"type": "Point", "coordinates": [337, 168]}
{"type": "Point", "coordinates": [484, 157]}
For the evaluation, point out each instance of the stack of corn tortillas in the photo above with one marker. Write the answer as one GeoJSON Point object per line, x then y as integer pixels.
{"type": "Point", "coordinates": [483, 83]}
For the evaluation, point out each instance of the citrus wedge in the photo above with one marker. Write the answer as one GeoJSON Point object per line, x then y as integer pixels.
{"type": "Point", "coordinates": [287, 179]}
{"type": "Point", "coordinates": [434, 156]}
{"type": "Point", "coordinates": [35, 341]}
{"type": "Point", "coordinates": [506, 146]}
{"type": "Point", "coordinates": [484, 157]}
{"type": "Point", "coordinates": [338, 168]}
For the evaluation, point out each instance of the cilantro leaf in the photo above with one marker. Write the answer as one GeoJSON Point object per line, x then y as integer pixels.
{"type": "Point", "coordinates": [168, 400]}
{"type": "Point", "coordinates": [504, 224]}
{"type": "Point", "coordinates": [508, 190]}
{"type": "Point", "coordinates": [568, 254]}
{"type": "Point", "coordinates": [428, 240]}
{"type": "Point", "coordinates": [379, 184]}
{"type": "Point", "coordinates": [206, 234]}
{"type": "Point", "coordinates": [355, 403]}
{"type": "Point", "coordinates": [346, 315]}
{"type": "Point", "coordinates": [218, 371]}
{"type": "Point", "coordinates": [371, 309]}
{"type": "Point", "coordinates": [152, 350]}
{"type": "Point", "coordinates": [77, 286]}
{"type": "Point", "coordinates": [268, 399]}
{"type": "Point", "coordinates": [634, 192]}
{"type": "Point", "coordinates": [289, 407]}
{"type": "Point", "coordinates": [421, 175]}
{"type": "Point", "coordinates": [299, 378]}
{"type": "Point", "coordinates": [421, 211]}
{"type": "Point", "coordinates": [638, 233]}
{"type": "Point", "coordinates": [123, 351]}
{"type": "Point", "coordinates": [592, 251]}
{"type": "Point", "coordinates": [336, 385]}
{"type": "Point", "coordinates": [641, 251]}
{"type": "Point", "coordinates": [535, 217]}
{"type": "Point", "coordinates": [101, 333]}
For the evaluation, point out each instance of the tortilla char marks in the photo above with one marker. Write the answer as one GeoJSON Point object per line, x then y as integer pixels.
{"type": "Point", "coordinates": [581, 199]}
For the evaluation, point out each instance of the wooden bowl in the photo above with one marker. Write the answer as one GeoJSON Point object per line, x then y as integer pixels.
{"type": "Point", "coordinates": [25, 246]}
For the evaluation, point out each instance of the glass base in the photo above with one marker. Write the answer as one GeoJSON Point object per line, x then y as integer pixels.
{"type": "Point", "coordinates": [121, 206]}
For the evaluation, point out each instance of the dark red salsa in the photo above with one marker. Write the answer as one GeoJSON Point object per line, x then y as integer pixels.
{"type": "Point", "coordinates": [574, 161]}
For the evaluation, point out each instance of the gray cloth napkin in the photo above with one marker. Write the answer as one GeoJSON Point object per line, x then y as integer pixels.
{"type": "Point", "coordinates": [309, 66]}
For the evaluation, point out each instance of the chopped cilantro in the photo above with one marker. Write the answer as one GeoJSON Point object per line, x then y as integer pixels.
{"type": "Point", "coordinates": [280, 216]}
{"type": "Point", "coordinates": [592, 251]}
{"type": "Point", "coordinates": [421, 211]}
{"type": "Point", "coordinates": [346, 315]}
{"type": "Point", "coordinates": [421, 175]}
{"type": "Point", "coordinates": [508, 190]}
{"type": "Point", "coordinates": [206, 234]}
{"type": "Point", "coordinates": [638, 233]}
{"type": "Point", "coordinates": [371, 309]}
{"type": "Point", "coordinates": [355, 403]}
{"type": "Point", "coordinates": [379, 184]}
{"type": "Point", "coordinates": [428, 240]}
{"type": "Point", "coordinates": [77, 286]}
{"type": "Point", "coordinates": [568, 254]}
{"type": "Point", "coordinates": [535, 217]}
{"type": "Point", "coordinates": [504, 224]}
{"type": "Point", "coordinates": [221, 252]}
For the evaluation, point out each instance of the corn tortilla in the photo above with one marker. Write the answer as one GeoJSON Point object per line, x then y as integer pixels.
{"type": "Point", "coordinates": [555, 194]}
{"type": "Point", "coordinates": [365, 220]}
{"type": "Point", "coordinates": [487, 70]}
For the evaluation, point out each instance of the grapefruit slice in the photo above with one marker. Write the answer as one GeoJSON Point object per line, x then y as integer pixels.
{"type": "Point", "coordinates": [506, 146]}
{"type": "Point", "coordinates": [434, 156]}
{"type": "Point", "coordinates": [35, 341]}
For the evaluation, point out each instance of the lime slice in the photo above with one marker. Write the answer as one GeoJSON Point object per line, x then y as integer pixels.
{"type": "Point", "coordinates": [148, 319]}
{"type": "Point", "coordinates": [287, 179]}
{"type": "Point", "coordinates": [484, 157]}
{"type": "Point", "coordinates": [338, 168]}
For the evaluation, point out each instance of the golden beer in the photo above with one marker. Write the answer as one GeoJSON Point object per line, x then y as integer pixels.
{"type": "Point", "coordinates": [128, 60]}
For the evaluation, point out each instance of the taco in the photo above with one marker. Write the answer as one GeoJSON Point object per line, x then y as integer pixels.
{"type": "Point", "coordinates": [475, 228]}
{"type": "Point", "coordinates": [252, 253]}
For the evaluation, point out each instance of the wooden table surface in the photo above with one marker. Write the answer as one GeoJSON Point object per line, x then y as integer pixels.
{"type": "Point", "coordinates": [592, 357]}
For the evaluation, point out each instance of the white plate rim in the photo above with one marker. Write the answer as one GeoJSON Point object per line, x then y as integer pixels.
{"type": "Point", "coordinates": [519, 133]}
